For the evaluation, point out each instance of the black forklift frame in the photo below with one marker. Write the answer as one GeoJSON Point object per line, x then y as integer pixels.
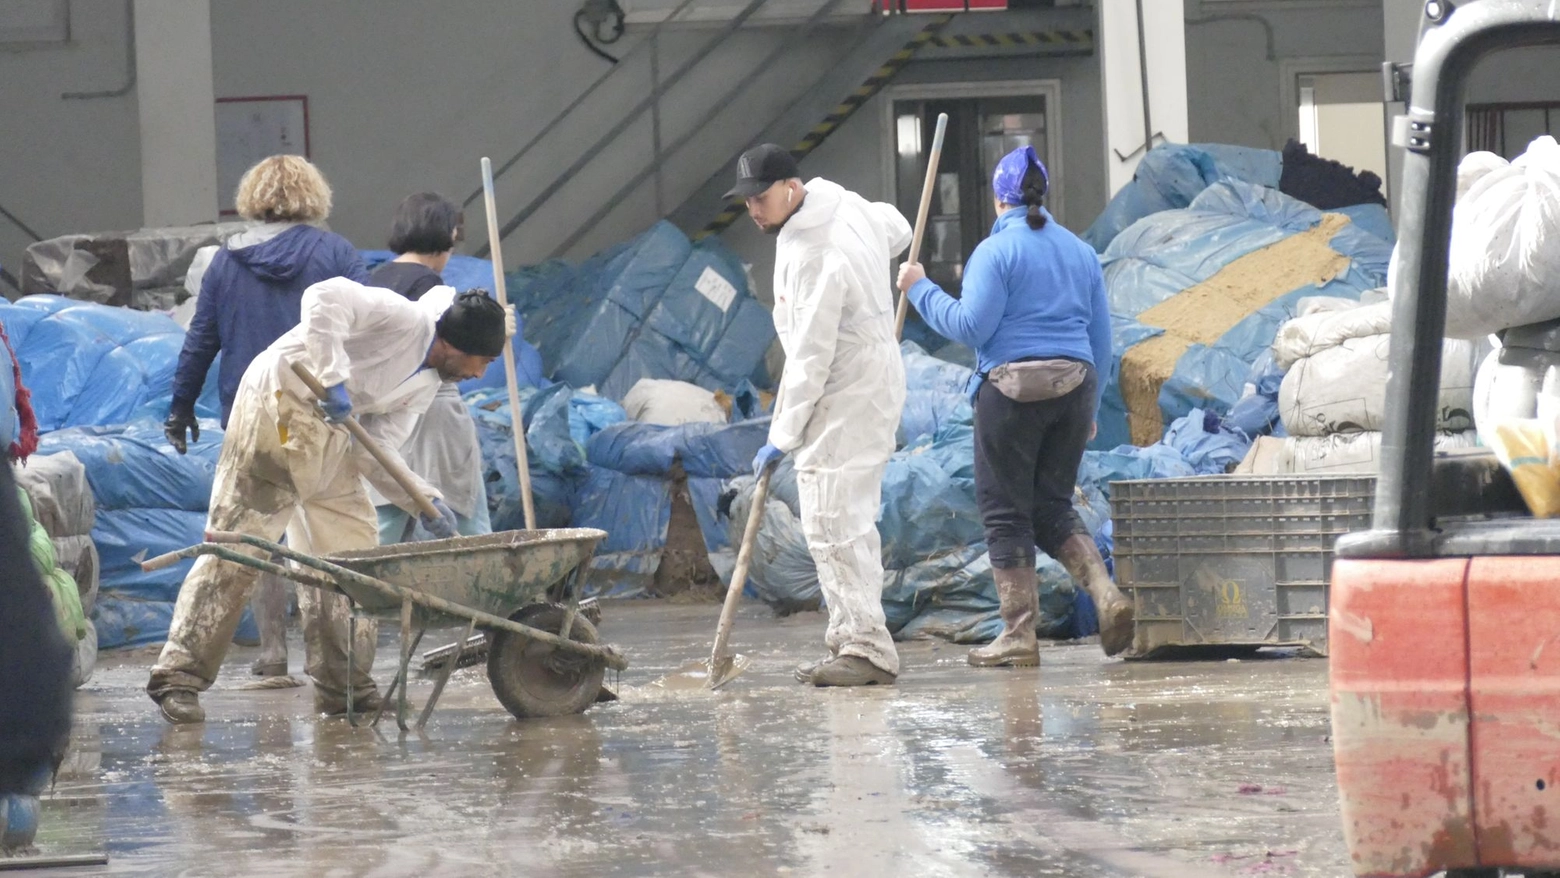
{"type": "Point", "coordinates": [1453, 39]}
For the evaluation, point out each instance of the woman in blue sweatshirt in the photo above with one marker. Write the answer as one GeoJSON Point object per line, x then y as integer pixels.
{"type": "Point", "coordinates": [1033, 308]}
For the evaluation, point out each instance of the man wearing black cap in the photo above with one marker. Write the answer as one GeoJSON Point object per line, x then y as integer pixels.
{"type": "Point", "coordinates": [840, 396]}
{"type": "Point", "coordinates": [288, 465]}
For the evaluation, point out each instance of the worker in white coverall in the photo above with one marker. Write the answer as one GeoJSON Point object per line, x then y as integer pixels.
{"type": "Point", "coordinates": [289, 465]}
{"type": "Point", "coordinates": [841, 393]}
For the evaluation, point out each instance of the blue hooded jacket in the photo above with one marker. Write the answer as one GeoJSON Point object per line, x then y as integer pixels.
{"type": "Point", "coordinates": [250, 297]}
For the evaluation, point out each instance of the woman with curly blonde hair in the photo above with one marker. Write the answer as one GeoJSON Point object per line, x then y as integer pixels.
{"type": "Point", "coordinates": [249, 297]}
{"type": "Point", "coordinates": [250, 293]}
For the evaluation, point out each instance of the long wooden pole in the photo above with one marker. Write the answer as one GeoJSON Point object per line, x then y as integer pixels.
{"type": "Point", "coordinates": [920, 216]}
{"type": "Point", "coordinates": [521, 461]}
{"type": "Point", "coordinates": [396, 469]}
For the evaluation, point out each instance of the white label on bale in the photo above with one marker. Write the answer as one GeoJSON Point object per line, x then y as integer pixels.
{"type": "Point", "coordinates": [716, 288]}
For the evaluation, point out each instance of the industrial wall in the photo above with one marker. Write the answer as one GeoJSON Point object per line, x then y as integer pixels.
{"type": "Point", "coordinates": [856, 153]}
{"type": "Point", "coordinates": [68, 164]}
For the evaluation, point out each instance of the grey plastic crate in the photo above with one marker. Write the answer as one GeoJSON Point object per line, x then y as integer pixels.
{"type": "Point", "coordinates": [1233, 560]}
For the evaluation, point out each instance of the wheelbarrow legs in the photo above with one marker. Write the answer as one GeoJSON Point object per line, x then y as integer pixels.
{"type": "Point", "coordinates": [444, 675]}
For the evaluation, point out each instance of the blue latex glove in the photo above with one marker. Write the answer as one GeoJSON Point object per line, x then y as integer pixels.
{"type": "Point", "coordinates": [336, 405]}
{"type": "Point", "coordinates": [442, 527]}
{"type": "Point", "coordinates": [767, 456]}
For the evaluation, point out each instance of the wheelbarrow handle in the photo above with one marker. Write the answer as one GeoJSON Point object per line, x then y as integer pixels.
{"type": "Point", "coordinates": [396, 468]}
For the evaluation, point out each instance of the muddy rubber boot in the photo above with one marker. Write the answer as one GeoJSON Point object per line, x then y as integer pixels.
{"type": "Point", "coordinates": [850, 670]}
{"type": "Point", "coordinates": [1017, 646]}
{"type": "Point", "coordinates": [180, 706]}
{"type": "Point", "coordinates": [269, 604]}
{"type": "Point", "coordinates": [1082, 559]}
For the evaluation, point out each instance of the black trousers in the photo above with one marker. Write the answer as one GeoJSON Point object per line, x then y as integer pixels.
{"type": "Point", "coordinates": [1026, 467]}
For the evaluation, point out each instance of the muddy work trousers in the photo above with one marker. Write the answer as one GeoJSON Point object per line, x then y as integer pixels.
{"type": "Point", "coordinates": [285, 473]}
{"type": "Point", "coordinates": [839, 519]}
{"type": "Point", "coordinates": [1026, 468]}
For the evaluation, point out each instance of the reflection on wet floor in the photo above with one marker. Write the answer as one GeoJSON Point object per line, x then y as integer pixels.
{"type": "Point", "coordinates": [1088, 767]}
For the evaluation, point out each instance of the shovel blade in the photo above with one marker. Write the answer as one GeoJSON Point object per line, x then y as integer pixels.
{"type": "Point", "coordinates": [702, 675]}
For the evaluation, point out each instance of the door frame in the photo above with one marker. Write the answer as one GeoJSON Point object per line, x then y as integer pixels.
{"type": "Point", "coordinates": [1050, 89]}
{"type": "Point", "coordinates": [1291, 69]}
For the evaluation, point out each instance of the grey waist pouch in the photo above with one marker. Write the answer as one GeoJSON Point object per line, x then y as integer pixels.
{"type": "Point", "coordinates": [1037, 380]}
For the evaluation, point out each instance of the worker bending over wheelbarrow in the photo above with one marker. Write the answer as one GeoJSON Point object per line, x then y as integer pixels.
{"type": "Point", "coordinates": [288, 464]}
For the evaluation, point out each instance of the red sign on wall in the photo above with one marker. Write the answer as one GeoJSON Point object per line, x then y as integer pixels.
{"type": "Point", "coordinates": [948, 5]}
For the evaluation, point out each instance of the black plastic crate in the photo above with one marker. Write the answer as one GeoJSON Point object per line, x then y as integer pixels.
{"type": "Point", "coordinates": [1232, 561]}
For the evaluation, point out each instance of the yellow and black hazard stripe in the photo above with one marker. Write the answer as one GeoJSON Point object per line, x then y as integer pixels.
{"type": "Point", "coordinates": [1070, 38]}
{"type": "Point", "coordinates": [839, 114]}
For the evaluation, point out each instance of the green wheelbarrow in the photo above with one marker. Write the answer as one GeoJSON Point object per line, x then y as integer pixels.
{"type": "Point", "coordinates": [521, 588]}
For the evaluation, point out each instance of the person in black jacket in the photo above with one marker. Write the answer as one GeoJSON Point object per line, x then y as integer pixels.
{"type": "Point", "coordinates": [423, 237]}
{"type": "Point", "coordinates": [35, 669]}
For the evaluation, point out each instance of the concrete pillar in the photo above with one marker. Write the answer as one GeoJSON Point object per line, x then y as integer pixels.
{"type": "Point", "coordinates": [1164, 24]}
{"type": "Point", "coordinates": [178, 112]}
{"type": "Point", "coordinates": [1400, 21]}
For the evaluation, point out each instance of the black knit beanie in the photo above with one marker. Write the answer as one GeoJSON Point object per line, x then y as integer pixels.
{"type": "Point", "coordinates": [474, 324]}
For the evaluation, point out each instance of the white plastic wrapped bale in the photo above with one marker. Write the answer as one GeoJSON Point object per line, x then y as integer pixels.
{"type": "Point", "coordinates": [1348, 452]}
{"type": "Point", "coordinates": [1505, 250]}
{"type": "Point", "coordinates": [1343, 389]}
{"type": "Point", "coordinates": [1323, 325]}
{"type": "Point", "coordinates": [61, 496]}
{"type": "Point", "coordinates": [672, 403]}
{"type": "Point", "coordinates": [1503, 393]}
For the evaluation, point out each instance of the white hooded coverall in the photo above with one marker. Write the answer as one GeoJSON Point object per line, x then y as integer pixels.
{"type": "Point", "coordinates": [843, 389]}
{"type": "Point", "coordinates": [283, 468]}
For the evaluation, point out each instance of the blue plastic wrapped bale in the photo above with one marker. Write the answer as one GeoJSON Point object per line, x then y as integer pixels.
{"type": "Point", "coordinates": [699, 302]}
{"type": "Point", "coordinates": [709, 314]}
{"type": "Point", "coordinates": [652, 355]}
{"type": "Point", "coordinates": [18, 321]}
{"type": "Point", "coordinates": [739, 355]}
{"type": "Point", "coordinates": [132, 466]}
{"type": "Point", "coordinates": [123, 623]}
{"type": "Point", "coordinates": [782, 573]}
{"type": "Point", "coordinates": [630, 285]}
{"type": "Point", "coordinates": [1372, 219]}
{"type": "Point", "coordinates": [1170, 176]}
{"type": "Point", "coordinates": [126, 537]}
{"type": "Point", "coordinates": [925, 511]}
{"type": "Point", "coordinates": [634, 511]}
{"type": "Point", "coordinates": [92, 364]}
{"type": "Point", "coordinates": [1169, 253]}
{"type": "Point", "coordinates": [939, 394]}
{"type": "Point", "coordinates": [1255, 413]}
{"type": "Point", "coordinates": [706, 450]}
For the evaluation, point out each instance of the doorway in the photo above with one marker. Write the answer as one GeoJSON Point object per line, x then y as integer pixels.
{"type": "Point", "coordinates": [1342, 118]}
{"type": "Point", "coordinates": [985, 122]}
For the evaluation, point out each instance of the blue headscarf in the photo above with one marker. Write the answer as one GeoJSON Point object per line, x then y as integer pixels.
{"type": "Point", "coordinates": [1008, 181]}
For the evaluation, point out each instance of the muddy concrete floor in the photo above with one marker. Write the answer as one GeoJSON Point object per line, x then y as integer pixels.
{"type": "Point", "coordinates": [1084, 767]}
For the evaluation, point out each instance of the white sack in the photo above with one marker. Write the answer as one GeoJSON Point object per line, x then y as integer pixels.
{"type": "Point", "coordinates": [1503, 393]}
{"type": "Point", "coordinates": [1343, 389]}
{"type": "Point", "coordinates": [1505, 251]}
{"type": "Point", "coordinates": [1322, 329]}
{"type": "Point", "coordinates": [670, 403]}
{"type": "Point", "coordinates": [1349, 452]}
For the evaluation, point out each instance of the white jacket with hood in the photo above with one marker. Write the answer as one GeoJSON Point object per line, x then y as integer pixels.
{"type": "Point", "coordinates": [844, 381]}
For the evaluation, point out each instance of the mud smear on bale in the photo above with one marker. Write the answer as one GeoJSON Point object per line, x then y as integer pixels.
{"type": "Point", "coordinates": [685, 575]}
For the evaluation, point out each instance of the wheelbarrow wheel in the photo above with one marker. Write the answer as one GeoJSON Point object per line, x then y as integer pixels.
{"type": "Point", "coordinates": [533, 679]}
